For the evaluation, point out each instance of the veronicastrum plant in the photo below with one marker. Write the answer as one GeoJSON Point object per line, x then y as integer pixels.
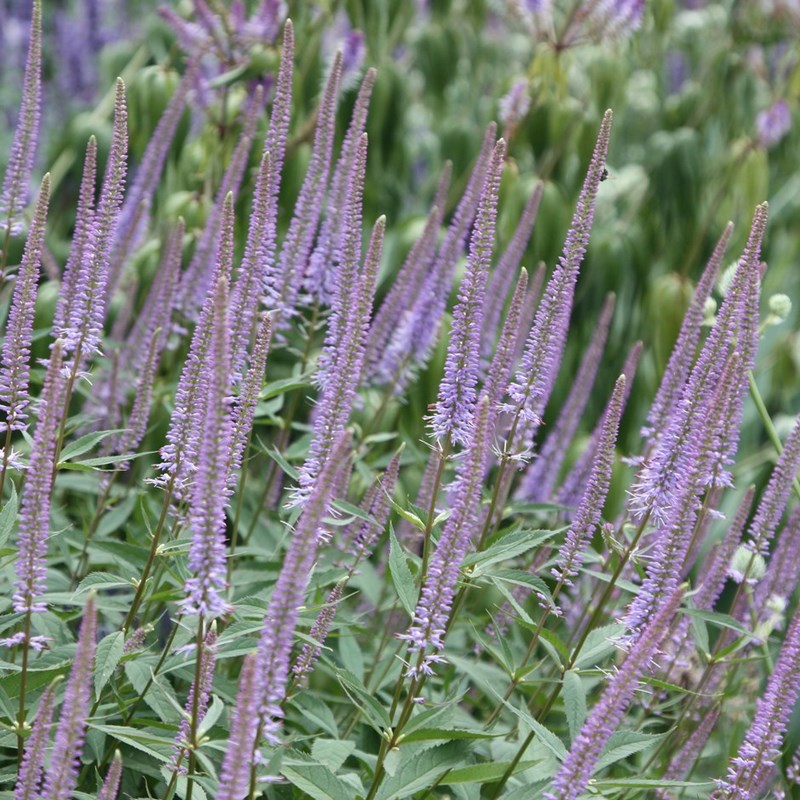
{"type": "Point", "coordinates": [294, 505]}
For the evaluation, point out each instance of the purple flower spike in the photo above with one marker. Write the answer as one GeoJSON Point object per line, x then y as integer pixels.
{"type": "Point", "coordinates": [65, 761]}
{"type": "Point", "coordinates": [503, 274]}
{"type": "Point", "coordinates": [376, 504]}
{"type": "Point", "coordinates": [320, 280]}
{"type": "Point", "coordinates": [405, 288]}
{"type": "Point", "coordinates": [452, 416]}
{"type": "Point", "coordinates": [319, 632]}
{"type": "Point", "coordinates": [761, 747]}
{"type": "Point", "coordinates": [84, 328]}
{"type": "Point", "coordinates": [245, 408]}
{"type": "Point", "coordinates": [682, 762]}
{"type": "Point", "coordinates": [179, 455]}
{"type": "Point", "coordinates": [140, 196]}
{"type": "Point", "coordinates": [776, 494]}
{"type": "Point", "coordinates": [782, 574]}
{"type": "Point", "coordinates": [574, 774]}
{"type": "Point", "coordinates": [31, 770]}
{"type": "Point", "coordinates": [280, 621]}
{"type": "Point", "coordinates": [198, 278]}
{"type": "Point", "coordinates": [590, 509]}
{"type": "Point", "coordinates": [540, 478]}
{"type": "Point", "coordinates": [530, 390]}
{"type": "Point", "coordinates": [284, 284]}
{"type": "Point", "coordinates": [432, 614]}
{"type": "Point", "coordinates": [499, 371]}
{"type": "Point", "coordinates": [15, 369]}
{"type": "Point", "coordinates": [209, 496]}
{"type": "Point", "coordinates": [569, 493]}
{"type": "Point", "coordinates": [14, 195]}
{"type": "Point", "coordinates": [685, 349]}
{"type": "Point", "coordinates": [110, 787]}
{"type": "Point", "coordinates": [234, 777]}
{"type": "Point", "coordinates": [34, 515]}
{"type": "Point", "coordinates": [208, 655]}
{"type": "Point", "coordinates": [654, 489]}
{"type": "Point", "coordinates": [81, 246]}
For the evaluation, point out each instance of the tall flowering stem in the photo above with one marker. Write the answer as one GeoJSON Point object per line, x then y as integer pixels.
{"type": "Point", "coordinates": [503, 275]}
{"type": "Point", "coordinates": [684, 352]}
{"type": "Point", "coordinates": [15, 368]}
{"type": "Point", "coordinates": [31, 769]}
{"type": "Point", "coordinates": [452, 417]}
{"type": "Point", "coordinates": [209, 493]}
{"type": "Point", "coordinates": [541, 476]}
{"type": "Point", "coordinates": [531, 388]}
{"type": "Point", "coordinates": [65, 760]}
{"type": "Point", "coordinates": [83, 330]}
{"type": "Point", "coordinates": [429, 626]}
{"type": "Point", "coordinates": [110, 787]}
{"type": "Point", "coordinates": [573, 776]}
{"type": "Point", "coordinates": [14, 195]}
{"type": "Point", "coordinates": [260, 710]}
{"type": "Point", "coordinates": [762, 744]}
{"type": "Point", "coordinates": [283, 288]}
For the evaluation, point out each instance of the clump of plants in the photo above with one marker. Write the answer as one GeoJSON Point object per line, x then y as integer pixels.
{"type": "Point", "coordinates": [302, 502]}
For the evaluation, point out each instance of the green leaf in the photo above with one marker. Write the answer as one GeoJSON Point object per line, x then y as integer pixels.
{"type": "Point", "coordinates": [108, 654]}
{"type": "Point", "coordinates": [332, 752]}
{"type": "Point", "coordinates": [354, 511]}
{"type": "Point", "coordinates": [84, 444]}
{"type": "Point", "coordinates": [508, 547]}
{"type": "Point", "coordinates": [545, 736]}
{"type": "Point", "coordinates": [278, 458]}
{"type": "Point", "coordinates": [408, 516]}
{"type": "Point", "coordinates": [625, 743]}
{"type": "Point", "coordinates": [8, 515]}
{"type": "Point", "coordinates": [402, 579]}
{"type": "Point", "coordinates": [599, 644]}
{"type": "Point", "coordinates": [421, 770]}
{"type": "Point", "coordinates": [101, 580]}
{"type": "Point", "coordinates": [274, 388]}
{"type": "Point", "coordinates": [483, 773]}
{"type": "Point", "coordinates": [318, 782]}
{"type": "Point", "coordinates": [445, 734]}
{"type": "Point", "coordinates": [372, 710]}
{"type": "Point", "coordinates": [212, 715]}
{"type": "Point", "coordinates": [574, 702]}
{"type": "Point", "coordinates": [158, 747]}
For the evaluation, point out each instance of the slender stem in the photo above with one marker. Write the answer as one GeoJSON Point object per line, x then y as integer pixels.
{"type": "Point", "coordinates": [198, 677]}
{"type": "Point", "coordinates": [23, 680]}
{"type": "Point", "coordinates": [137, 598]}
{"type": "Point", "coordinates": [6, 455]}
{"type": "Point", "coordinates": [437, 482]}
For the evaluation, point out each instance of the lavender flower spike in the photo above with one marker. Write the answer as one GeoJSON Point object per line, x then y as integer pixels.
{"type": "Point", "coordinates": [110, 787]}
{"type": "Point", "coordinates": [319, 632]}
{"type": "Point", "coordinates": [245, 408]}
{"type": "Point", "coordinates": [280, 621]}
{"type": "Point", "coordinates": [234, 776]}
{"type": "Point", "coordinates": [13, 197]}
{"type": "Point", "coordinates": [208, 654]}
{"type": "Point", "coordinates": [179, 455]}
{"type": "Point", "coordinates": [776, 495]}
{"type": "Point", "coordinates": [540, 477]}
{"type": "Point", "coordinates": [34, 515]}
{"type": "Point", "coordinates": [32, 767]}
{"type": "Point", "coordinates": [573, 776]}
{"type": "Point", "coordinates": [503, 274]}
{"type": "Point", "coordinates": [590, 508]}
{"type": "Point", "coordinates": [65, 760]}
{"type": "Point", "coordinates": [15, 369]}
{"type": "Point", "coordinates": [762, 744]}
{"type": "Point", "coordinates": [530, 390]}
{"type": "Point", "coordinates": [85, 326]}
{"type": "Point", "coordinates": [283, 287]}
{"type": "Point", "coordinates": [685, 350]}
{"type": "Point", "coordinates": [457, 392]}
{"type": "Point", "coordinates": [432, 614]}
{"type": "Point", "coordinates": [80, 249]}
{"type": "Point", "coordinates": [209, 496]}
